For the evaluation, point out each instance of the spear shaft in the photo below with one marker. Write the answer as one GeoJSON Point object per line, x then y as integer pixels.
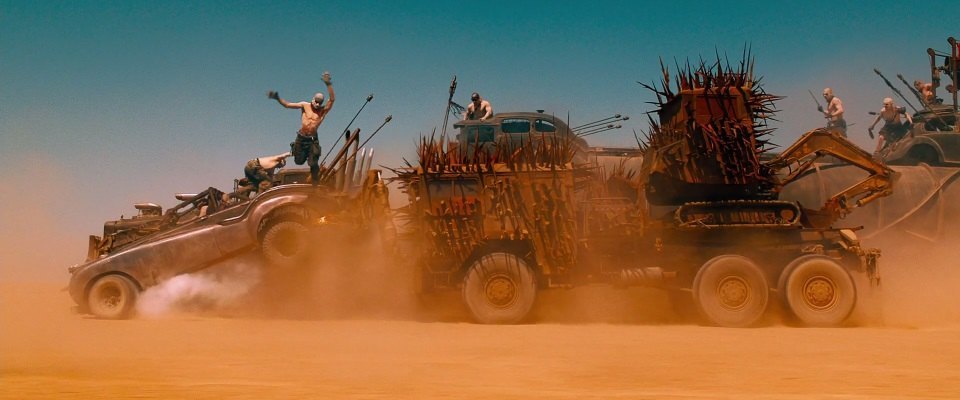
{"type": "Point", "coordinates": [446, 114]}
{"type": "Point", "coordinates": [895, 90]}
{"type": "Point", "coordinates": [347, 129]}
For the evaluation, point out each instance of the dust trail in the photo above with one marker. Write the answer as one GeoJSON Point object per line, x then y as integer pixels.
{"type": "Point", "coordinates": [216, 290]}
{"type": "Point", "coordinates": [352, 278]}
{"type": "Point", "coordinates": [919, 286]}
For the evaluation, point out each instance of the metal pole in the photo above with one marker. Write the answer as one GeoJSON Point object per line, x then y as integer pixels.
{"type": "Point", "coordinates": [599, 121]}
{"type": "Point", "coordinates": [954, 64]}
{"type": "Point", "coordinates": [385, 120]}
{"type": "Point", "coordinates": [347, 129]}
{"type": "Point", "coordinates": [895, 90]}
{"type": "Point", "coordinates": [446, 114]}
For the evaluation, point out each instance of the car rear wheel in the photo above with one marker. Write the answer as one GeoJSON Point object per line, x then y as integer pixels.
{"type": "Point", "coordinates": [112, 297]}
{"type": "Point", "coordinates": [285, 244]}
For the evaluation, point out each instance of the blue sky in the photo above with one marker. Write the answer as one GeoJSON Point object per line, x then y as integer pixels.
{"type": "Point", "coordinates": [107, 103]}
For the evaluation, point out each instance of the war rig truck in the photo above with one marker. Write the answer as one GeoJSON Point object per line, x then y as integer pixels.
{"type": "Point", "coordinates": [701, 218]}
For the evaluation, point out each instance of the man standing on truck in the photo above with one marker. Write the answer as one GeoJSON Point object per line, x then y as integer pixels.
{"type": "Point", "coordinates": [259, 171]}
{"type": "Point", "coordinates": [306, 147]}
{"type": "Point", "coordinates": [893, 128]}
{"type": "Point", "coordinates": [478, 108]}
{"type": "Point", "coordinates": [834, 112]}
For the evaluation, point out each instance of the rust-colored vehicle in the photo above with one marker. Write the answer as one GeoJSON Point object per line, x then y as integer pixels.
{"type": "Point", "coordinates": [934, 138]}
{"type": "Point", "coordinates": [136, 253]}
{"type": "Point", "coordinates": [702, 217]}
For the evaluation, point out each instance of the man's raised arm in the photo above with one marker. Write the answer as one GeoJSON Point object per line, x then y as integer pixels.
{"type": "Point", "coordinates": [333, 96]}
{"type": "Point", "coordinates": [276, 96]}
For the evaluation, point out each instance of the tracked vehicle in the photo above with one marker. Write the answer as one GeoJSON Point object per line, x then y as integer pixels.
{"type": "Point", "coordinates": [701, 218]}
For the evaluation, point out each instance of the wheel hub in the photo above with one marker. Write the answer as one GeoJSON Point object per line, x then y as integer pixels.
{"type": "Point", "coordinates": [733, 293]}
{"type": "Point", "coordinates": [501, 291]}
{"type": "Point", "coordinates": [110, 297]}
{"type": "Point", "coordinates": [288, 243]}
{"type": "Point", "coordinates": [819, 293]}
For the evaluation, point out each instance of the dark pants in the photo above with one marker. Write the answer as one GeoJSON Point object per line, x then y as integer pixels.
{"type": "Point", "coordinates": [838, 125]}
{"type": "Point", "coordinates": [257, 176]}
{"type": "Point", "coordinates": [893, 132]}
{"type": "Point", "coordinates": [307, 149]}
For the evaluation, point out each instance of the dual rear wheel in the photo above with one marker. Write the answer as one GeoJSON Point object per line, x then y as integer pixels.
{"type": "Point", "coordinates": [731, 290]}
{"type": "Point", "coordinates": [818, 291]}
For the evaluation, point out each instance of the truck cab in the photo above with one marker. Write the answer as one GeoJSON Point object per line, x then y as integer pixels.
{"type": "Point", "coordinates": [513, 129]}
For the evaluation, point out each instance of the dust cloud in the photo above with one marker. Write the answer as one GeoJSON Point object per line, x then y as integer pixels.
{"type": "Point", "coordinates": [356, 281]}
{"type": "Point", "coordinates": [348, 279]}
{"type": "Point", "coordinates": [919, 281]}
{"type": "Point", "coordinates": [209, 291]}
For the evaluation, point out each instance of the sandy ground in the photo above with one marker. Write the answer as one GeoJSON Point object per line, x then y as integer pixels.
{"type": "Point", "coordinates": [584, 346]}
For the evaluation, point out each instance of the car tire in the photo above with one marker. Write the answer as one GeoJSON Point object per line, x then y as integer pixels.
{"type": "Point", "coordinates": [112, 297]}
{"type": "Point", "coordinates": [285, 244]}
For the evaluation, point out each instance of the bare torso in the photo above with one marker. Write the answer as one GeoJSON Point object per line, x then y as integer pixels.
{"type": "Point", "coordinates": [484, 111]}
{"type": "Point", "coordinates": [310, 119]}
{"type": "Point", "coordinates": [835, 109]}
{"type": "Point", "coordinates": [890, 115]}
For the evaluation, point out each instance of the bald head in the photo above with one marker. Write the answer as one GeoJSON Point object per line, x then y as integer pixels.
{"type": "Point", "coordinates": [828, 93]}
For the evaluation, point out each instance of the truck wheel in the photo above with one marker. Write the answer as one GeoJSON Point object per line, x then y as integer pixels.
{"type": "Point", "coordinates": [499, 289]}
{"type": "Point", "coordinates": [818, 291]}
{"type": "Point", "coordinates": [284, 244]}
{"type": "Point", "coordinates": [112, 297]}
{"type": "Point", "coordinates": [731, 291]}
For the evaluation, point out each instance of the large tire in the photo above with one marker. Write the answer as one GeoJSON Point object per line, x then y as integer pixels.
{"type": "Point", "coordinates": [731, 291]}
{"type": "Point", "coordinates": [112, 297]}
{"type": "Point", "coordinates": [499, 288]}
{"type": "Point", "coordinates": [818, 291]}
{"type": "Point", "coordinates": [285, 244]}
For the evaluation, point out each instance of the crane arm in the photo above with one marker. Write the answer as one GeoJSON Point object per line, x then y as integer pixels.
{"type": "Point", "coordinates": [818, 143]}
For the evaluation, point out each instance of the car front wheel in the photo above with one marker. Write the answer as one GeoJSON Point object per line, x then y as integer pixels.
{"type": "Point", "coordinates": [112, 297]}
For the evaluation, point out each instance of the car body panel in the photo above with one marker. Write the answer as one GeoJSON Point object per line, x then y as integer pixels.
{"type": "Point", "coordinates": [197, 243]}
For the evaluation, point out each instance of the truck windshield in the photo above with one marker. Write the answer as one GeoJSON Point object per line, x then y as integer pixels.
{"type": "Point", "coordinates": [543, 125]}
{"type": "Point", "coordinates": [515, 125]}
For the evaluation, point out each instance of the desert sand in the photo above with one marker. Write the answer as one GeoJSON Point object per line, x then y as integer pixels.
{"type": "Point", "coordinates": [591, 342]}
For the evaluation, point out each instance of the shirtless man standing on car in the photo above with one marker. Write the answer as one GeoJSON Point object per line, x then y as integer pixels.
{"type": "Point", "coordinates": [305, 147]}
